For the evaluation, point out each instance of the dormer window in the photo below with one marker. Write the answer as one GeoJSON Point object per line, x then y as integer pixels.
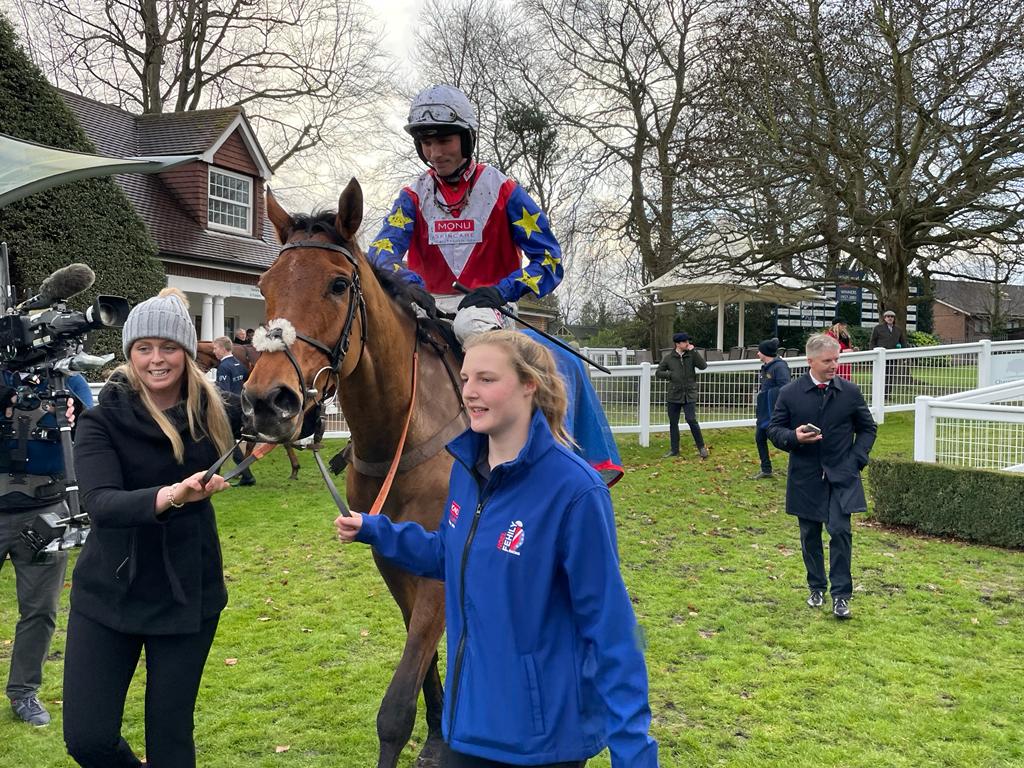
{"type": "Point", "coordinates": [230, 202]}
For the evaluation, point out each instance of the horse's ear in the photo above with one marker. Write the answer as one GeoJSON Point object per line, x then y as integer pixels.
{"type": "Point", "coordinates": [279, 218]}
{"type": "Point", "coordinates": [350, 211]}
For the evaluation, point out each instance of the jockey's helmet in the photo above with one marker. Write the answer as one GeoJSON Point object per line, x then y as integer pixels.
{"type": "Point", "coordinates": [442, 110]}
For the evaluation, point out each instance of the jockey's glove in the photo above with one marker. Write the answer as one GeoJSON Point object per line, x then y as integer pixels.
{"type": "Point", "coordinates": [485, 296]}
{"type": "Point", "coordinates": [423, 298]}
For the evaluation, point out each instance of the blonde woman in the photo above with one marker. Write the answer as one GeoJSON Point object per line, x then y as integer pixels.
{"type": "Point", "coordinates": [544, 668]}
{"type": "Point", "coordinates": [150, 575]}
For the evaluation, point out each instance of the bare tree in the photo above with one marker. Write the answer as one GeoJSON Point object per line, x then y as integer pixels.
{"type": "Point", "coordinates": [305, 70]}
{"type": "Point", "coordinates": [877, 135]}
{"type": "Point", "coordinates": [633, 75]}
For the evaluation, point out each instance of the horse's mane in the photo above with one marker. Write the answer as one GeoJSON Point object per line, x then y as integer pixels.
{"type": "Point", "coordinates": [402, 292]}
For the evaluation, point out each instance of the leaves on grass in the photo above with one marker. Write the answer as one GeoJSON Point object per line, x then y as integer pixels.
{"type": "Point", "coordinates": [230, 662]}
{"type": "Point", "coordinates": [282, 748]}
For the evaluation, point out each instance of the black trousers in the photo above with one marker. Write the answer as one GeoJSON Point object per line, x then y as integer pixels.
{"type": "Point", "coordinates": [99, 664]}
{"type": "Point", "coordinates": [840, 551]}
{"type": "Point", "coordinates": [761, 439]}
{"type": "Point", "coordinates": [690, 411]}
{"type": "Point", "coordinates": [458, 760]}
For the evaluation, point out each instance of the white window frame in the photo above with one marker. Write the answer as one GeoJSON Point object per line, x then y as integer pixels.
{"type": "Point", "coordinates": [209, 196]}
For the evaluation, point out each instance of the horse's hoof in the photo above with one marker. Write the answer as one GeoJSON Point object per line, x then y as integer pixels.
{"type": "Point", "coordinates": [430, 755]}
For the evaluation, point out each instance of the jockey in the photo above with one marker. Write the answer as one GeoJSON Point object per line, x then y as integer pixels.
{"type": "Point", "coordinates": [466, 221]}
{"type": "Point", "coordinates": [463, 220]}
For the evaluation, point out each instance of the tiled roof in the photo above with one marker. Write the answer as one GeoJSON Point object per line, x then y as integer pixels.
{"type": "Point", "coordinates": [177, 235]}
{"type": "Point", "coordinates": [977, 299]}
{"type": "Point", "coordinates": [183, 133]}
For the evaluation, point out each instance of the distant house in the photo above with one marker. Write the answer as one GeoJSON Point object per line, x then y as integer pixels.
{"type": "Point", "coordinates": [963, 311]}
{"type": "Point", "coordinates": [207, 217]}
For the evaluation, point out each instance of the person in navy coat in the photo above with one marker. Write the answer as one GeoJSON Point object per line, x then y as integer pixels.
{"type": "Point", "coordinates": [823, 422]}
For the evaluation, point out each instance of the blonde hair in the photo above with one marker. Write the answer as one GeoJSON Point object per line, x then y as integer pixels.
{"type": "Point", "coordinates": [210, 421]}
{"type": "Point", "coordinates": [820, 343]}
{"type": "Point", "coordinates": [533, 362]}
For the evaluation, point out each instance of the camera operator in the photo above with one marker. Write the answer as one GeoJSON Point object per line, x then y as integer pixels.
{"type": "Point", "coordinates": [31, 483]}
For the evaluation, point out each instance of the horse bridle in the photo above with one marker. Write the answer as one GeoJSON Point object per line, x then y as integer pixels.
{"type": "Point", "coordinates": [336, 354]}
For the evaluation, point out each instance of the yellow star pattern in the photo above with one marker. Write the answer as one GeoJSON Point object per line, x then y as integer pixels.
{"type": "Point", "coordinates": [530, 281]}
{"type": "Point", "coordinates": [399, 219]}
{"type": "Point", "coordinates": [396, 267]}
{"type": "Point", "coordinates": [550, 261]}
{"type": "Point", "coordinates": [528, 223]}
{"type": "Point", "coordinates": [383, 245]}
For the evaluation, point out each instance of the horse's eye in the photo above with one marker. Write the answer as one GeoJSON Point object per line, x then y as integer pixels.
{"type": "Point", "coordinates": [339, 285]}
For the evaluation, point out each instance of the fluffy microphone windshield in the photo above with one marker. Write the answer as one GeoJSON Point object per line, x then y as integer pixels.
{"type": "Point", "coordinates": [66, 282]}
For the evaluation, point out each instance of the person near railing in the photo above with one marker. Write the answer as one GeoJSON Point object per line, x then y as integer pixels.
{"type": "Point", "coordinates": [773, 376]}
{"type": "Point", "coordinates": [890, 336]}
{"type": "Point", "coordinates": [680, 367]}
{"type": "Point", "coordinates": [841, 334]}
{"type": "Point", "coordinates": [822, 421]}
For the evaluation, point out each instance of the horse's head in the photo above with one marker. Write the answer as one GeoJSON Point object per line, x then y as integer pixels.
{"type": "Point", "coordinates": [316, 316]}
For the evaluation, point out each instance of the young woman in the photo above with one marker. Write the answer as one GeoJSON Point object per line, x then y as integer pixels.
{"type": "Point", "coordinates": [150, 575]}
{"type": "Point", "coordinates": [544, 665]}
{"type": "Point", "coordinates": [839, 332]}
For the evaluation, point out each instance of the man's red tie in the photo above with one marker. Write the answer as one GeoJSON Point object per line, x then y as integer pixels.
{"type": "Point", "coordinates": [823, 386]}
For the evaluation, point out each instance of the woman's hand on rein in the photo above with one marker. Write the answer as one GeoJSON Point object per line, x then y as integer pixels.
{"type": "Point", "coordinates": [348, 527]}
{"type": "Point", "coordinates": [192, 489]}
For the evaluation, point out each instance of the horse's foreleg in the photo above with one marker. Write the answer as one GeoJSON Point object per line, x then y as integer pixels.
{"type": "Point", "coordinates": [425, 623]}
{"type": "Point", "coordinates": [293, 459]}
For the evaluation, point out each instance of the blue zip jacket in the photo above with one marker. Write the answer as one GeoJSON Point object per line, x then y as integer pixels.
{"type": "Point", "coordinates": [544, 661]}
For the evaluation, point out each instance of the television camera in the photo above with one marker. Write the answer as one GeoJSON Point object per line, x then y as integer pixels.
{"type": "Point", "coordinates": [41, 343]}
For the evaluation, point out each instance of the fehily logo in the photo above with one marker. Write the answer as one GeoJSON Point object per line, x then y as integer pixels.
{"type": "Point", "coordinates": [453, 513]}
{"type": "Point", "coordinates": [511, 541]}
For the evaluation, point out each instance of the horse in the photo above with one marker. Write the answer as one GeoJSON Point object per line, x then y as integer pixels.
{"type": "Point", "coordinates": [208, 360]}
{"type": "Point", "coordinates": [355, 334]}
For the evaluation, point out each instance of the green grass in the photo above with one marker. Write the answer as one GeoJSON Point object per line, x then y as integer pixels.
{"type": "Point", "coordinates": [928, 673]}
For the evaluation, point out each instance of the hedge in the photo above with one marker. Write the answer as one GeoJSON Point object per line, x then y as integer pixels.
{"type": "Point", "coordinates": [88, 221]}
{"type": "Point", "coordinates": [979, 505]}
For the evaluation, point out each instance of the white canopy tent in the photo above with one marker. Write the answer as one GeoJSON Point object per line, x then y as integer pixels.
{"type": "Point", "coordinates": [26, 167]}
{"type": "Point", "coordinates": [692, 282]}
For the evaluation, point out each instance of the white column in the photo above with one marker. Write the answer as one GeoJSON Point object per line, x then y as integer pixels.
{"type": "Point", "coordinates": [218, 316]}
{"type": "Point", "coordinates": [206, 332]}
{"type": "Point", "coordinates": [743, 315]}
{"type": "Point", "coordinates": [721, 325]}
{"type": "Point", "coordinates": [878, 373]}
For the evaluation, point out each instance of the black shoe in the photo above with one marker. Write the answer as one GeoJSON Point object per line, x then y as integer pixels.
{"type": "Point", "coordinates": [703, 452]}
{"type": "Point", "coordinates": [247, 481]}
{"type": "Point", "coordinates": [31, 711]}
{"type": "Point", "coordinates": [762, 475]}
{"type": "Point", "coordinates": [816, 598]}
{"type": "Point", "coordinates": [669, 454]}
{"type": "Point", "coordinates": [841, 607]}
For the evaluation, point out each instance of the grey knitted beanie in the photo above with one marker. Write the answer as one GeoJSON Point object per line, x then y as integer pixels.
{"type": "Point", "coordinates": [165, 316]}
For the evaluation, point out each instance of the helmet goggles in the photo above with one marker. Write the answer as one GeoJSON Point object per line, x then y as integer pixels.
{"type": "Point", "coordinates": [433, 113]}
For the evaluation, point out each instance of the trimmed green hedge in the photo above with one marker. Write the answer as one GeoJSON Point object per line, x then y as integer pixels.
{"type": "Point", "coordinates": [975, 504]}
{"type": "Point", "coordinates": [87, 221]}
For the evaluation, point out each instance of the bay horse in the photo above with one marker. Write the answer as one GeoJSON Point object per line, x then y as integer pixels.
{"type": "Point", "coordinates": [207, 360]}
{"type": "Point", "coordinates": [355, 334]}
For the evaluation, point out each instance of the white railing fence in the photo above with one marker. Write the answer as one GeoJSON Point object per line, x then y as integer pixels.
{"type": "Point", "coordinates": [981, 428]}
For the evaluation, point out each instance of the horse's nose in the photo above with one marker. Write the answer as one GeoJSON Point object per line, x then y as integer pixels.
{"type": "Point", "coordinates": [278, 403]}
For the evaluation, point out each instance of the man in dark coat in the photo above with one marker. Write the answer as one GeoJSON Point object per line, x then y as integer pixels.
{"type": "Point", "coordinates": [773, 377]}
{"type": "Point", "coordinates": [887, 334]}
{"type": "Point", "coordinates": [824, 424]}
{"type": "Point", "coordinates": [680, 368]}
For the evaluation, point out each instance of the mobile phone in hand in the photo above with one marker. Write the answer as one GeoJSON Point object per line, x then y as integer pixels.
{"type": "Point", "coordinates": [808, 427]}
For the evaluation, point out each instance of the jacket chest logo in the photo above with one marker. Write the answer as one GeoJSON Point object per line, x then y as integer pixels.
{"type": "Point", "coordinates": [511, 540]}
{"type": "Point", "coordinates": [453, 513]}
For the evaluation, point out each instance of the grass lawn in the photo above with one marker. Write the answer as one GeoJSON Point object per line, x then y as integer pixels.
{"type": "Point", "coordinates": [929, 672]}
